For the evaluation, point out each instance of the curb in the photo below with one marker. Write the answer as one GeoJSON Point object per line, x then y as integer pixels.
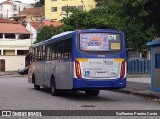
{"type": "Point", "coordinates": [149, 96]}
{"type": "Point", "coordinates": [137, 76]}
{"type": "Point", "coordinates": [2, 76]}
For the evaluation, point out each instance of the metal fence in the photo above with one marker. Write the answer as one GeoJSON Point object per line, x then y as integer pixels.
{"type": "Point", "coordinates": [138, 66]}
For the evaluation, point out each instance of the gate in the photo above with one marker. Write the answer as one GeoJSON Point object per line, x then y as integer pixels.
{"type": "Point", "coordinates": [2, 65]}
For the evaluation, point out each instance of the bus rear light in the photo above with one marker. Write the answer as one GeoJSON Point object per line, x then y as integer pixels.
{"type": "Point", "coordinates": [123, 69]}
{"type": "Point", "coordinates": [78, 69]}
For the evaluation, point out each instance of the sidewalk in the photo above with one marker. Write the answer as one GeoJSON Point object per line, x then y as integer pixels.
{"type": "Point", "coordinates": [9, 74]}
{"type": "Point", "coordinates": [139, 86]}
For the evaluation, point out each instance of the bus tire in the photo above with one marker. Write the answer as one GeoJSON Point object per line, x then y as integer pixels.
{"type": "Point", "coordinates": [36, 87]}
{"type": "Point", "coordinates": [91, 92]}
{"type": "Point", "coordinates": [54, 91]}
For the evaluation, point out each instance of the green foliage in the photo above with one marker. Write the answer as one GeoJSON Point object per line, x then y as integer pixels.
{"type": "Point", "coordinates": [47, 32]}
{"type": "Point", "coordinates": [40, 3]}
{"type": "Point", "coordinates": [129, 16]}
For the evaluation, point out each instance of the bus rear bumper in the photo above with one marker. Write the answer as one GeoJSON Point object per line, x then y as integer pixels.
{"type": "Point", "coordinates": [99, 84]}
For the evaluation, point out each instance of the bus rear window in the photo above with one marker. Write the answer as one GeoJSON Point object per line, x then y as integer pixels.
{"type": "Point", "coordinates": [100, 42]}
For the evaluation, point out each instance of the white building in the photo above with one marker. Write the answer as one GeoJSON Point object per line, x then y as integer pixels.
{"type": "Point", "coordinates": [14, 45]}
{"type": "Point", "coordinates": [11, 8]}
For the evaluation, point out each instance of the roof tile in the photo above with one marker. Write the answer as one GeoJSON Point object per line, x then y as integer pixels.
{"type": "Point", "coordinates": [37, 11]}
{"type": "Point", "coordinates": [13, 28]}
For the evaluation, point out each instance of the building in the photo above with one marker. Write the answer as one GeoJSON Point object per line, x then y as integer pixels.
{"type": "Point", "coordinates": [35, 27]}
{"type": "Point", "coordinates": [30, 15]}
{"type": "Point", "coordinates": [14, 45]}
{"type": "Point", "coordinates": [55, 9]}
{"type": "Point", "coordinates": [133, 54]}
{"type": "Point", "coordinates": [10, 8]}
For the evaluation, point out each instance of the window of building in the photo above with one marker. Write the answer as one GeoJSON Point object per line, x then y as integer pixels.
{"type": "Point", "coordinates": [10, 36]}
{"type": "Point", "coordinates": [80, 7]}
{"type": "Point", "coordinates": [1, 35]}
{"type": "Point", "coordinates": [157, 61]}
{"type": "Point", "coordinates": [24, 36]}
{"type": "Point", "coordinates": [14, 7]}
{"type": "Point", "coordinates": [64, 8]}
{"type": "Point", "coordinates": [53, 9]}
{"type": "Point", "coordinates": [72, 6]}
{"type": "Point", "coordinates": [9, 52]}
{"type": "Point", "coordinates": [1, 8]}
{"type": "Point", "coordinates": [22, 52]}
{"type": "Point", "coordinates": [0, 52]}
{"type": "Point", "coordinates": [1, 15]}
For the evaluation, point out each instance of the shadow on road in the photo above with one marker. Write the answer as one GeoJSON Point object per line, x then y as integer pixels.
{"type": "Point", "coordinates": [77, 95]}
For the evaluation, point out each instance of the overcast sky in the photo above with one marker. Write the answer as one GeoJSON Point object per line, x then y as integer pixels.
{"type": "Point", "coordinates": [23, 1]}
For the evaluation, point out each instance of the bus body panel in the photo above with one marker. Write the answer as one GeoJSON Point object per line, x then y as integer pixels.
{"type": "Point", "coordinates": [62, 72]}
{"type": "Point", "coordinates": [99, 84]}
{"type": "Point", "coordinates": [102, 68]}
{"type": "Point", "coordinates": [65, 75]}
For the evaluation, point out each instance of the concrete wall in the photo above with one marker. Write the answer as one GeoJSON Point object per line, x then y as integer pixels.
{"type": "Point", "coordinates": [13, 63]}
{"type": "Point", "coordinates": [30, 28]}
{"type": "Point", "coordinates": [15, 42]}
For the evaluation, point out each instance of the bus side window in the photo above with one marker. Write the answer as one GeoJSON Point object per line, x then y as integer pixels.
{"type": "Point", "coordinates": [53, 51]}
{"type": "Point", "coordinates": [59, 50]}
{"type": "Point", "coordinates": [67, 49]}
{"type": "Point", "coordinates": [70, 48]}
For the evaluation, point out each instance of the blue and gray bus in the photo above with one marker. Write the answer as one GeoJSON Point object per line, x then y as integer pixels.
{"type": "Point", "coordinates": [87, 60]}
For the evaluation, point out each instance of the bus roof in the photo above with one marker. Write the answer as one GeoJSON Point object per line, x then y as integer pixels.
{"type": "Point", "coordinates": [53, 38]}
{"type": "Point", "coordinates": [64, 34]}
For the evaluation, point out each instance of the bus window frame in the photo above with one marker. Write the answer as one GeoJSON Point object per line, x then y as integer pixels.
{"type": "Point", "coordinates": [40, 52]}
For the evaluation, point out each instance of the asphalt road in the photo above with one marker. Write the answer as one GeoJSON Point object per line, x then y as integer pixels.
{"type": "Point", "coordinates": [17, 94]}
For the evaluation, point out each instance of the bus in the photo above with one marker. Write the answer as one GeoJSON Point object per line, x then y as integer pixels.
{"type": "Point", "coordinates": [86, 60]}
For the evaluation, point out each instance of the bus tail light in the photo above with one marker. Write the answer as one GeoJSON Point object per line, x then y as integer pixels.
{"type": "Point", "coordinates": [123, 70]}
{"type": "Point", "coordinates": [78, 69]}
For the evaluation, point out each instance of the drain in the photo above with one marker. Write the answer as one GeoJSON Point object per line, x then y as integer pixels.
{"type": "Point", "coordinates": [87, 105]}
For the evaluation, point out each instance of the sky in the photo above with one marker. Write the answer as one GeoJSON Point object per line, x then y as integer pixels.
{"type": "Point", "coordinates": [23, 1]}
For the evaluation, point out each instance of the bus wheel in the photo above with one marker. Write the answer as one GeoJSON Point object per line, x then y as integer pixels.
{"type": "Point", "coordinates": [54, 91]}
{"type": "Point", "coordinates": [92, 92]}
{"type": "Point", "coordinates": [36, 87]}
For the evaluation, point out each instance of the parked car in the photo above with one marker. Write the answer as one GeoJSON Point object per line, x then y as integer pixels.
{"type": "Point", "coordinates": [23, 71]}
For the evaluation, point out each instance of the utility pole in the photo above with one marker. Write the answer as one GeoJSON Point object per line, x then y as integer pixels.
{"type": "Point", "coordinates": [83, 4]}
{"type": "Point", "coordinates": [67, 11]}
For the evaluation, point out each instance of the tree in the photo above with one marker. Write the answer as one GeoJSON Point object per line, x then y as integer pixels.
{"type": "Point", "coordinates": [153, 6]}
{"type": "Point", "coordinates": [40, 3]}
{"type": "Point", "coordinates": [47, 32]}
{"type": "Point", "coordinates": [128, 16]}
